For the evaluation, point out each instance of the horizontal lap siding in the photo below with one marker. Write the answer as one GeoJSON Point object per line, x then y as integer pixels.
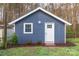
{"type": "Point", "coordinates": [39, 29]}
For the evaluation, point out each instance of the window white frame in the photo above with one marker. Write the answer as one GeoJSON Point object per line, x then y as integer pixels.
{"type": "Point", "coordinates": [31, 28]}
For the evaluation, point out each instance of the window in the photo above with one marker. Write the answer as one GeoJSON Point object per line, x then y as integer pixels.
{"type": "Point", "coordinates": [28, 28]}
{"type": "Point", "coordinates": [49, 26]}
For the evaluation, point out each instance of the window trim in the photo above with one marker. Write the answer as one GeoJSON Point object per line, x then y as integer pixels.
{"type": "Point", "coordinates": [31, 28]}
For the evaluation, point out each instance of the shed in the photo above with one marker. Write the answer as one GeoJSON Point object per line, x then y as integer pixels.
{"type": "Point", "coordinates": [42, 26]}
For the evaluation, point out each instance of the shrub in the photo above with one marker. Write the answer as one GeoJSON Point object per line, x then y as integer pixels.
{"type": "Point", "coordinates": [69, 30]}
{"type": "Point", "coordinates": [14, 39]}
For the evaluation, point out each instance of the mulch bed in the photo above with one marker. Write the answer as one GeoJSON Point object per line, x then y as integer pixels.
{"type": "Point", "coordinates": [68, 44]}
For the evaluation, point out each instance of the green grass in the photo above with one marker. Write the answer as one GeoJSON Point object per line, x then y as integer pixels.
{"type": "Point", "coordinates": [44, 51]}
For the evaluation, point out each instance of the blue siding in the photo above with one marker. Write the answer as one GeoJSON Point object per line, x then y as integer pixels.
{"type": "Point", "coordinates": [39, 29]}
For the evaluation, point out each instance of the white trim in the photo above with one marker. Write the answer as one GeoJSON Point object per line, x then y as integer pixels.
{"type": "Point", "coordinates": [39, 8]}
{"type": "Point", "coordinates": [65, 34]}
{"type": "Point", "coordinates": [54, 31]}
{"type": "Point", "coordinates": [31, 28]}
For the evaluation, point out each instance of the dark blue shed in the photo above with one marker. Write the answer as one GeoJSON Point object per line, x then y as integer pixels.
{"type": "Point", "coordinates": [40, 26]}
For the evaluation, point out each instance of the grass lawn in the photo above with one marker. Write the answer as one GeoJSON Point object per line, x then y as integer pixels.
{"type": "Point", "coordinates": [44, 51]}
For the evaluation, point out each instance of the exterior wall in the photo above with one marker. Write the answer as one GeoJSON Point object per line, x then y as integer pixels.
{"type": "Point", "coordinates": [1, 31]}
{"type": "Point", "coordinates": [39, 29]}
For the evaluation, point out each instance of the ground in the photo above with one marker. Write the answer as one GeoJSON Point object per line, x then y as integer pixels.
{"type": "Point", "coordinates": [72, 50]}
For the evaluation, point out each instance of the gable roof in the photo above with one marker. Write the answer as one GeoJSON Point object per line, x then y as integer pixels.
{"type": "Point", "coordinates": [39, 8]}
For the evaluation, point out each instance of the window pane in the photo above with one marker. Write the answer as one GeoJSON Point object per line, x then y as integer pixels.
{"type": "Point", "coordinates": [28, 28]}
{"type": "Point", "coordinates": [49, 26]}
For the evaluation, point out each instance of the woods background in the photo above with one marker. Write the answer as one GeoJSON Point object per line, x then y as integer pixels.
{"type": "Point", "coordinates": [68, 12]}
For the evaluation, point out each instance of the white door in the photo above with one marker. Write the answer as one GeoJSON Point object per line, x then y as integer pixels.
{"type": "Point", "coordinates": [49, 33]}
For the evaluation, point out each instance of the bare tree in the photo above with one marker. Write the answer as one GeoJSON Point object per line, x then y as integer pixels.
{"type": "Point", "coordinates": [5, 27]}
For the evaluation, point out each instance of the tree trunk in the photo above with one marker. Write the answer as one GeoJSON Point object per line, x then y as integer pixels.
{"type": "Point", "coordinates": [5, 28]}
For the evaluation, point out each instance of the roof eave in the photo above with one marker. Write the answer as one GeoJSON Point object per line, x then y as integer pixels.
{"type": "Point", "coordinates": [39, 8]}
{"type": "Point", "coordinates": [68, 24]}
